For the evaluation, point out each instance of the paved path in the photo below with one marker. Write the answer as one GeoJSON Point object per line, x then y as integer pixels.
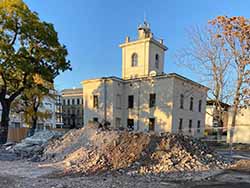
{"type": "Point", "coordinates": [235, 154]}
{"type": "Point", "coordinates": [7, 156]}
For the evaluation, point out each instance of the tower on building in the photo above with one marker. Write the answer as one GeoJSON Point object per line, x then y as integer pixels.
{"type": "Point", "coordinates": [144, 56]}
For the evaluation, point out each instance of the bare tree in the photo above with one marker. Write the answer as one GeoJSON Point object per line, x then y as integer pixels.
{"type": "Point", "coordinates": [206, 57]}
{"type": "Point", "coordinates": [234, 32]}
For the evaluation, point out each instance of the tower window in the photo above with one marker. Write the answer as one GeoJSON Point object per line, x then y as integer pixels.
{"type": "Point", "coordinates": [134, 60]}
{"type": "Point", "coordinates": [157, 61]}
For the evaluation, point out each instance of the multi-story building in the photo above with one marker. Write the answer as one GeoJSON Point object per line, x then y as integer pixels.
{"type": "Point", "coordinates": [145, 98]}
{"type": "Point", "coordinates": [50, 105]}
{"type": "Point", "coordinates": [72, 107]}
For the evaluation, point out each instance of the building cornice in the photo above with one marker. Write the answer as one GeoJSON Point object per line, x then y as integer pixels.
{"type": "Point", "coordinates": [143, 41]}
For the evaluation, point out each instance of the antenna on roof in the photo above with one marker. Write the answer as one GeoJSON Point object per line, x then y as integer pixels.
{"type": "Point", "coordinates": [144, 19]}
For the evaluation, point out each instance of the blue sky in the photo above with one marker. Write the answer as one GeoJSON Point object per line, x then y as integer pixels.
{"type": "Point", "coordinates": [93, 29]}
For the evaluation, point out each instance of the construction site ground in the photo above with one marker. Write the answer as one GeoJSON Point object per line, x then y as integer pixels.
{"type": "Point", "coordinates": [19, 173]}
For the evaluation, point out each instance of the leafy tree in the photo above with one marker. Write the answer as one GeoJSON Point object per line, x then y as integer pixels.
{"type": "Point", "coordinates": [28, 47]}
{"type": "Point", "coordinates": [30, 104]}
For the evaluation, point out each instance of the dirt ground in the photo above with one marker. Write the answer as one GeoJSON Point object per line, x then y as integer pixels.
{"type": "Point", "coordinates": [25, 174]}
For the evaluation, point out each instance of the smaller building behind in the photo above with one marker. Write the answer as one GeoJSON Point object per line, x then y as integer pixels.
{"type": "Point", "coordinates": [72, 108]}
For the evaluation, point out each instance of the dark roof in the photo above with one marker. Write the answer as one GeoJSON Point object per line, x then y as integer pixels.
{"type": "Point", "coordinates": [212, 102]}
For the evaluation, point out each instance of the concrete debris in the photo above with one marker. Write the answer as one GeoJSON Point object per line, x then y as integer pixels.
{"type": "Point", "coordinates": [241, 165]}
{"type": "Point", "coordinates": [32, 147]}
{"type": "Point", "coordinates": [91, 150]}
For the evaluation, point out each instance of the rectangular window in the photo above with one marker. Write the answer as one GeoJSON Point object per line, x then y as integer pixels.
{"type": "Point", "coordinates": [130, 101]}
{"type": "Point", "coordinates": [95, 101]}
{"type": "Point", "coordinates": [181, 101]}
{"type": "Point", "coordinates": [73, 101]}
{"type": "Point", "coordinates": [152, 98]}
{"type": "Point", "coordinates": [130, 124]}
{"type": "Point", "coordinates": [180, 124]}
{"type": "Point", "coordinates": [200, 105]}
{"type": "Point", "coordinates": [198, 126]}
{"type": "Point", "coordinates": [78, 101]}
{"type": "Point", "coordinates": [118, 122]}
{"type": "Point", "coordinates": [191, 103]}
{"type": "Point", "coordinates": [118, 101]}
{"type": "Point", "coordinates": [95, 119]}
{"type": "Point", "coordinates": [151, 126]}
{"type": "Point", "coordinates": [64, 102]}
{"type": "Point", "coordinates": [68, 102]}
{"type": "Point", "coordinates": [190, 126]}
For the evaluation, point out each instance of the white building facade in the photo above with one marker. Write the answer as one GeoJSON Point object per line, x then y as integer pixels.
{"type": "Point", "coordinates": [50, 105]}
{"type": "Point", "coordinates": [145, 98]}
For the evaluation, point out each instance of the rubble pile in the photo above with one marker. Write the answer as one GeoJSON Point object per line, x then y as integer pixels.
{"type": "Point", "coordinates": [91, 150]}
{"type": "Point", "coordinates": [33, 146]}
{"type": "Point", "coordinates": [175, 153]}
{"type": "Point", "coordinates": [241, 165]}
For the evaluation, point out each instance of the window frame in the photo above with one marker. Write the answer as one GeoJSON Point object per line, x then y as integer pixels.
{"type": "Point", "coordinates": [190, 124]}
{"type": "Point", "coordinates": [118, 101]}
{"type": "Point", "coordinates": [152, 100]}
{"type": "Point", "coordinates": [180, 127]}
{"type": "Point", "coordinates": [200, 105]}
{"type": "Point", "coordinates": [134, 60]}
{"type": "Point", "coordinates": [181, 101]}
{"type": "Point", "coordinates": [151, 124]}
{"type": "Point", "coordinates": [157, 61]}
{"type": "Point", "coordinates": [198, 126]}
{"type": "Point", "coordinates": [95, 101]}
{"type": "Point", "coordinates": [132, 122]}
{"type": "Point", "coordinates": [131, 104]}
{"type": "Point", "coordinates": [191, 105]}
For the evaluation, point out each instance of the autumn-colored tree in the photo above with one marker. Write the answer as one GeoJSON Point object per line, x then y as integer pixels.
{"type": "Point", "coordinates": [30, 103]}
{"type": "Point", "coordinates": [28, 47]}
{"type": "Point", "coordinates": [234, 32]}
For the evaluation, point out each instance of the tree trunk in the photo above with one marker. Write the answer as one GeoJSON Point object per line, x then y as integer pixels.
{"type": "Point", "coordinates": [4, 121]}
{"type": "Point", "coordinates": [33, 127]}
{"type": "Point", "coordinates": [235, 110]}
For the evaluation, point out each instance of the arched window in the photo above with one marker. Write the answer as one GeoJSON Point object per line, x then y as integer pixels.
{"type": "Point", "coordinates": [134, 61]}
{"type": "Point", "coordinates": [157, 61]}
